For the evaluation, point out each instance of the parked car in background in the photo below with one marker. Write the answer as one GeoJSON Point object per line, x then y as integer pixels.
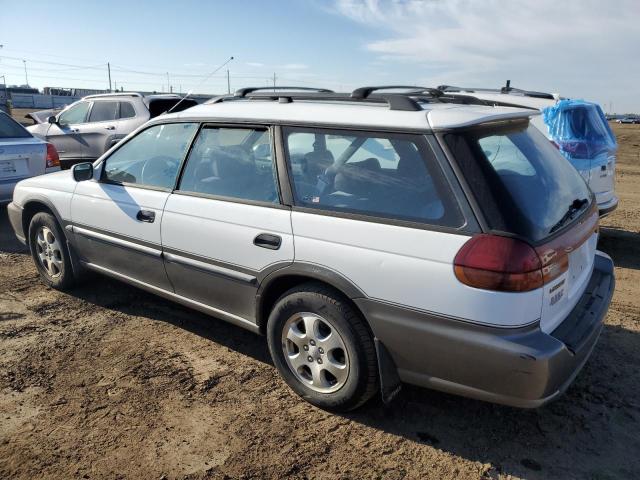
{"type": "Point", "coordinates": [22, 156]}
{"type": "Point", "coordinates": [577, 128]}
{"type": "Point", "coordinates": [41, 116]}
{"type": "Point", "coordinates": [634, 120]}
{"type": "Point", "coordinates": [89, 127]}
{"type": "Point", "coordinates": [437, 243]}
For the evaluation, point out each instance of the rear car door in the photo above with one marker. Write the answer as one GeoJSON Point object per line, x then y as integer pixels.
{"type": "Point", "coordinates": [65, 134]}
{"type": "Point", "coordinates": [224, 226]}
{"type": "Point", "coordinates": [116, 217]}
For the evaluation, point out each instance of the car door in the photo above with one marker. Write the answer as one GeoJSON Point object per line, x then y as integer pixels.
{"type": "Point", "coordinates": [100, 129]}
{"type": "Point", "coordinates": [65, 133]}
{"type": "Point", "coordinates": [224, 226]}
{"type": "Point", "coordinates": [116, 217]}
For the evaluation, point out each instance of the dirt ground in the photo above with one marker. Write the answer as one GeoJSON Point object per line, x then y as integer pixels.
{"type": "Point", "coordinates": [110, 382]}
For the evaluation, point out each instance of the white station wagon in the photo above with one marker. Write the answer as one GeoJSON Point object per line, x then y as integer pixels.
{"type": "Point", "coordinates": [394, 234]}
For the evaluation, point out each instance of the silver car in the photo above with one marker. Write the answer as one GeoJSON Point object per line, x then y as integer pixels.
{"type": "Point", "coordinates": [86, 129]}
{"type": "Point", "coordinates": [21, 156]}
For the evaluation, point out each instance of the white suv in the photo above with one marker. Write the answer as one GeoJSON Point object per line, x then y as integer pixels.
{"type": "Point", "coordinates": [376, 237]}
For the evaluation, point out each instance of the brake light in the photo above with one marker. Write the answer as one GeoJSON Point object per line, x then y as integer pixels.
{"type": "Point", "coordinates": [498, 263]}
{"type": "Point", "coordinates": [53, 160]}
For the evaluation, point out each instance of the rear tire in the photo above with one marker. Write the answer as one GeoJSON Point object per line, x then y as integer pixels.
{"type": "Point", "coordinates": [49, 251]}
{"type": "Point", "coordinates": [322, 348]}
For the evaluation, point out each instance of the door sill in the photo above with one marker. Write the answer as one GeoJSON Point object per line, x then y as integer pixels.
{"type": "Point", "coordinates": [215, 312]}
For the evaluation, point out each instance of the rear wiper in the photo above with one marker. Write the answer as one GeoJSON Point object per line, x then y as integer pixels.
{"type": "Point", "coordinates": [575, 206]}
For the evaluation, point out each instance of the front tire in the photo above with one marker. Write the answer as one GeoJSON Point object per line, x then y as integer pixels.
{"type": "Point", "coordinates": [49, 251]}
{"type": "Point", "coordinates": [322, 348]}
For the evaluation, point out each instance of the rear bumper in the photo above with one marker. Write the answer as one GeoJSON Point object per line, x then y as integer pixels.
{"type": "Point", "coordinates": [608, 207]}
{"type": "Point", "coordinates": [15, 218]}
{"type": "Point", "coordinates": [523, 367]}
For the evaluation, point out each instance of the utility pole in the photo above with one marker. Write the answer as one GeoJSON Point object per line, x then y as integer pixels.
{"type": "Point", "coordinates": [274, 81]}
{"type": "Point", "coordinates": [109, 70]}
{"type": "Point", "coordinates": [26, 78]}
{"type": "Point", "coordinates": [168, 83]}
{"type": "Point", "coordinates": [228, 83]}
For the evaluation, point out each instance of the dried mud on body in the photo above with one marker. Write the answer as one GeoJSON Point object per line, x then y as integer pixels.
{"type": "Point", "coordinates": [111, 382]}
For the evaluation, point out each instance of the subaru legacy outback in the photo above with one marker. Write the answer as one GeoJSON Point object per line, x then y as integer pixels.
{"type": "Point", "coordinates": [384, 236]}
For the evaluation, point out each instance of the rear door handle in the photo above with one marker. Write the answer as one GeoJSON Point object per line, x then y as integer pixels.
{"type": "Point", "coordinates": [146, 216]}
{"type": "Point", "coordinates": [266, 240]}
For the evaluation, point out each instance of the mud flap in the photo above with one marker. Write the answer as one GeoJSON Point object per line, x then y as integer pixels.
{"type": "Point", "coordinates": [390, 383]}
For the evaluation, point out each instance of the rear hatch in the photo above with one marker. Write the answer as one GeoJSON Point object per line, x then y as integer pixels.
{"type": "Point", "coordinates": [21, 155]}
{"type": "Point", "coordinates": [527, 190]}
{"type": "Point", "coordinates": [582, 134]}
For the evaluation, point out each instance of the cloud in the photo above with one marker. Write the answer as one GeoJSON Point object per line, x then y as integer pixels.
{"type": "Point", "coordinates": [575, 46]}
{"type": "Point", "coordinates": [295, 66]}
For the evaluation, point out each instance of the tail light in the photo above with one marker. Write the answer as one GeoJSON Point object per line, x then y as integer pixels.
{"type": "Point", "coordinates": [53, 160]}
{"type": "Point", "coordinates": [491, 262]}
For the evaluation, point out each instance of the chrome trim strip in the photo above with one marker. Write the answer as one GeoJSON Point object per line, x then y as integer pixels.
{"type": "Point", "coordinates": [229, 317]}
{"type": "Point", "coordinates": [116, 241]}
{"type": "Point", "coordinates": [209, 268]}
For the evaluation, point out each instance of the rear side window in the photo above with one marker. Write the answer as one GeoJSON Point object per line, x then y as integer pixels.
{"type": "Point", "coordinates": [520, 180]}
{"type": "Point", "coordinates": [151, 158]}
{"type": "Point", "coordinates": [233, 163]}
{"type": "Point", "coordinates": [126, 110]}
{"type": "Point", "coordinates": [9, 128]}
{"type": "Point", "coordinates": [384, 175]}
{"type": "Point", "coordinates": [103, 111]}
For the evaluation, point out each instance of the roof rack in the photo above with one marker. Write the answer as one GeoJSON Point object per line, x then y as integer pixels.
{"type": "Point", "coordinates": [118, 94]}
{"type": "Point", "coordinates": [506, 89]}
{"type": "Point", "coordinates": [410, 100]}
{"type": "Point", "coordinates": [243, 92]}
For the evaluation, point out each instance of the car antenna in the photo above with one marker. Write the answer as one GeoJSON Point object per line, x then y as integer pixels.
{"type": "Point", "coordinates": [201, 82]}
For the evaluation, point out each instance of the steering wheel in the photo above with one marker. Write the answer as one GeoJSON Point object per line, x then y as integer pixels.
{"type": "Point", "coordinates": [157, 170]}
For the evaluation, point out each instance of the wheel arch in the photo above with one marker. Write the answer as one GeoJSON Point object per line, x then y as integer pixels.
{"type": "Point", "coordinates": [273, 285]}
{"type": "Point", "coordinates": [36, 205]}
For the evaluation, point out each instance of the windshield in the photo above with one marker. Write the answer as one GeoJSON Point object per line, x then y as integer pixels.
{"type": "Point", "coordinates": [9, 128]}
{"type": "Point", "coordinates": [520, 180]}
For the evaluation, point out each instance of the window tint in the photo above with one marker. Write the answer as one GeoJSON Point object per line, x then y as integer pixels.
{"type": "Point", "coordinates": [75, 114]}
{"type": "Point", "coordinates": [9, 128]}
{"type": "Point", "coordinates": [232, 162]}
{"type": "Point", "coordinates": [523, 183]}
{"type": "Point", "coordinates": [103, 111]}
{"type": "Point", "coordinates": [392, 176]}
{"type": "Point", "coordinates": [126, 110]}
{"type": "Point", "coordinates": [152, 157]}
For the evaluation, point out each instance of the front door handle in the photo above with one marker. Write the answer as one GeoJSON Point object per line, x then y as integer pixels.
{"type": "Point", "coordinates": [266, 240]}
{"type": "Point", "coordinates": [110, 127]}
{"type": "Point", "coordinates": [146, 216]}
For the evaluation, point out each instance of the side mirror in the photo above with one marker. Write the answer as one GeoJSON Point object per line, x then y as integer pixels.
{"type": "Point", "coordinates": [52, 119]}
{"type": "Point", "coordinates": [82, 171]}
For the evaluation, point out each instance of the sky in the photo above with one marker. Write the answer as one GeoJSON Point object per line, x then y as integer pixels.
{"type": "Point", "coordinates": [578, 48]}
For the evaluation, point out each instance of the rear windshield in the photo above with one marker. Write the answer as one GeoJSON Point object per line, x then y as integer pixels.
{"type": "Point", "coordinates": [9, 128]}
{"type": "Point", "coordinates": [522, 183]}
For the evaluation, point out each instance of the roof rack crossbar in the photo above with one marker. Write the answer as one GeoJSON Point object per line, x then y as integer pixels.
{"type": "Point", "coordinates": [243, 92]}
{"type": "Point", "coordinates": [364, 92]}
